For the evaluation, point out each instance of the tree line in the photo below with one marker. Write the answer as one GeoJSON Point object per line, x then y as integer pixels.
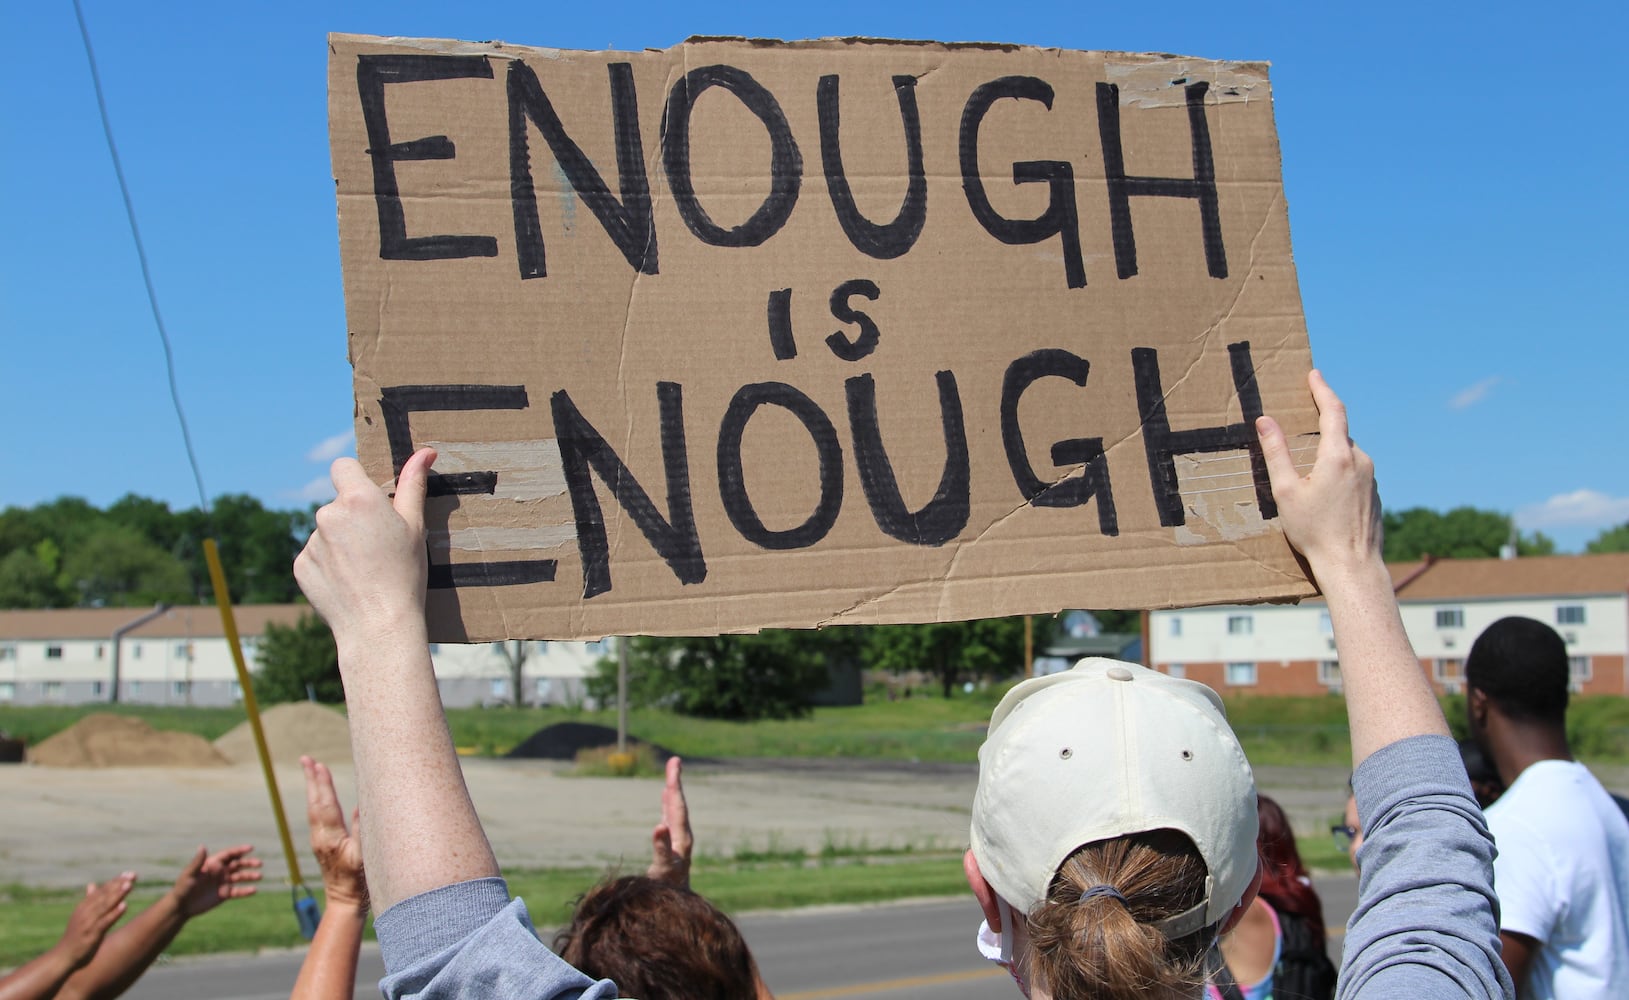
{"type": "Point", "coordinates": [69, 553]}
{"type": "Point", "coordinates": [137, 551]}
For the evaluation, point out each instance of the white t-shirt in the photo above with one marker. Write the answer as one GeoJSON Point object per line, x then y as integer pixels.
{"type": "Point", "coordinates": [1562, 876]}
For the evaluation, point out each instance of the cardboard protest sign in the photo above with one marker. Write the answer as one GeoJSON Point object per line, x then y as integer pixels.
{"type": "Point", "coordinates": [743, 334]}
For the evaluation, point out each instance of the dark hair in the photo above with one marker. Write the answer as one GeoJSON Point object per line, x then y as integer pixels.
{"type": "Point", "coordinates": [1105, 949]}
{"type": "Point", "coordinates": [1521, 664]}
{"type": "Point", "coordinates": [1285, 883]}
{"type": "Point", "coordinates": [657, 941]}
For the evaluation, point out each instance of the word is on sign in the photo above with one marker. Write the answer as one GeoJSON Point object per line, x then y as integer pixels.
{"type": "Point", "coordinates": [744, 334]}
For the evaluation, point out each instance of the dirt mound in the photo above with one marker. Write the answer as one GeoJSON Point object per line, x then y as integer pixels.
{"type": "Point", "coordinates": [562, 740]}
{"type": "Point", "coordinates": [106, 740]}
{"type": "Point", "coordinates": [292, 728]}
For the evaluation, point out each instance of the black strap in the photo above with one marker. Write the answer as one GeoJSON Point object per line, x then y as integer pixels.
{"type": "Point", "coordinates": [1220, 976]}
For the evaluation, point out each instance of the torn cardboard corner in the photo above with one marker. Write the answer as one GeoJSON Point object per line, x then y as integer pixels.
{"type": "Point", "coordinates": [745, 334]}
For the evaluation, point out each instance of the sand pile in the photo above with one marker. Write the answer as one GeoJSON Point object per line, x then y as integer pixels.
{"type": "Point", "coordinates": [292, 728]}
{"type": "Point", "coordinates": [106, 740]}
{"type": "Point", "coordinates": [562, 740]}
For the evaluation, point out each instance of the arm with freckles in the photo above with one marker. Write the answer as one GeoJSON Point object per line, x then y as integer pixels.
{"type": "Point", "coordinates": [364, 570]}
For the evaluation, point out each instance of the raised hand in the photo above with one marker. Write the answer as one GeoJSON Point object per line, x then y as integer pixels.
{"type": "Point", "coordinates": [364, 567]}
{"type": "Point", "coordinates": [338, 850]}
{"type": "Point", "coordinates": [671, 842]}
{"type": "Point", "coordinates": [1332, 514]}
{"type": "Point", "coordinates": [101, 908]}
{"type": "Point", "coordinates": [209, 880]}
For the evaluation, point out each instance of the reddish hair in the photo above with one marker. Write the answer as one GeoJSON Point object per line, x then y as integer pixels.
{"type": "Point", "coordinates": [1285, 883]}
{"type": "Point", "coordinates": [658, 941]}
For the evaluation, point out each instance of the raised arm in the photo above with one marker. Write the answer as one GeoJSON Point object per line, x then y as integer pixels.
{"type": "Point", "coordinates": [364, 571]}
{"type": "Point", "coordinates": [41, 978]}
{"type": "Point", "coordinates": [329, 969]}
{"type": "Point", "coordinates": [1332, 517]}
{"type": "Point", "coordinates": [1425, 924]}
{"type": "Point", "coordinates": [207, 881]}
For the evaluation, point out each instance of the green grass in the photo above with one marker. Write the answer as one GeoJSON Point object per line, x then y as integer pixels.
{"type": "Point", "coordinates": [36, 722]}
{"type": "Point", "coordinates": [32, 919]}
{"type": "Point", "coordinates": [1299, 730]}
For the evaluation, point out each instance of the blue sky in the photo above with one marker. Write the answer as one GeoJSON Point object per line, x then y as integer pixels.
{"type": "Point", "coordinates": [1455, 183]}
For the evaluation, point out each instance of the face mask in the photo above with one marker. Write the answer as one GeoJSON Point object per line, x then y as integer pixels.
{"type": "Point", "coordinates": [998, 947]}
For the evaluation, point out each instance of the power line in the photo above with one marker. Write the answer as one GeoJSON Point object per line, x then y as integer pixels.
{"type": "Point", "coordinates": [141, 254]}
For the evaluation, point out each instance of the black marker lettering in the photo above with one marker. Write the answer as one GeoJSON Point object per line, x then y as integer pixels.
{"type": "Point", "coordinates": [732, 483]}
{"type": "Point", "coordinates": [888, 240]}
{"type": "Point", "coordinates": [1201, 187]}
{"type": "Point", "coordinates": [372, 74]}
{"type": "Point", "coordinates": [629, 222]}
{"type": "Point", "coordinates": [398, 403]}
{"type": "Point", "coordinates": [583, 450]}
{"type": "Point", "coordinates": [1094, 478]}
{"type": "Point", "coordinates": [785, 167]}
{"type": "Point", "coordinates": [1060, 218]}
{"type": "Point", "coordinates": [943, 517]}
{"type": "Point", "coordinates": [780, 325]}
{"type": "Point", "coordinates": [1161, 442]}
{"type": "Point", "coordinates": [854, 350]}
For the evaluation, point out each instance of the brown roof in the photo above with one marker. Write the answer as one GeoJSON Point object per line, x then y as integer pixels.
{"type": "Point", "coordinates": [1528, 576]}
{"type": "Point", "coordinates": [190, 622]}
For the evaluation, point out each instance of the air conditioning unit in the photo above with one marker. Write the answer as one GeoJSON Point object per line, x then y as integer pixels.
{"type": "Point", "coordinates": [1448, 642]}
{"type": "Point", "coordinates": [1571, 637]}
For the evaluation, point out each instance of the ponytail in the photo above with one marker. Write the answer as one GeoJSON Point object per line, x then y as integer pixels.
{"type": "Point", "coordinates": [1092, 943]}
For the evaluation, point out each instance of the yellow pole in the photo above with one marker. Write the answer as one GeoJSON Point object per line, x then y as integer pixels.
{"type": "Point", "coordinates": [223, 600]}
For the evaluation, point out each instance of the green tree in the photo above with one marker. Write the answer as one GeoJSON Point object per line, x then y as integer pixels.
{"type": "Point", "coordinates": [1610, 540]}
{"type": "Point", "coordinates": [1461, 533]}
{"type": "Point", "coordinates": [950, 650]}
{"type": "Point", "coordinates": [257, 547]}
{"type": "Point", "coordinates": [770, 675]}
{"type": "Point", "coordinates": [116, 567]}
{"type": "Point", "coordinates": [27, 581]}
{"type": "Point", "coordinates": [292, 657]}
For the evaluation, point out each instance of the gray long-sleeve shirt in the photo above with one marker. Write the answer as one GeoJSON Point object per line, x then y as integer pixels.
{"type": "Point", "coordinates": [1426, 925]}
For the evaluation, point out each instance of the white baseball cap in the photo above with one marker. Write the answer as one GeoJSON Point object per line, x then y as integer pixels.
{"type": "Point", "coordinates": [1105, 750]}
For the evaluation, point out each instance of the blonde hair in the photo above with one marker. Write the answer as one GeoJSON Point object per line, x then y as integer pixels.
{"type": "Point", "coordinates": [1101, 948]}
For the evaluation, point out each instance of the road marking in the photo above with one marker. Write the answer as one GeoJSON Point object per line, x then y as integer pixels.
{"type": "Point", "coordinates": [892, 984]}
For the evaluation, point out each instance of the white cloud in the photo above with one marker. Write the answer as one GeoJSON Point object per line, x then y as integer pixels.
{"type": "Point", "coordinates": [1580, 508]}
{"type": "Point", "coordinates": [331, 448]}
{"type": "Point", "coordinates": [1468, 397]}
{"type": "Point", "coordinates": [318, 490]}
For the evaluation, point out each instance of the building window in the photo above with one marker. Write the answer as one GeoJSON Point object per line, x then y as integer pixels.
{"type": "Point", "coordinates": [8, 691]}
{"type": "Point", "coordinates": [8, 650]}
{"type": "Point", "coordinates": [96, 688]}
{"type": "Point", "coordinates": [1450, 672]}
{"type": "Point", "coordinates": [1450, 618]}
{"type": "Point", "coordinates": [1176, 627]}
{"type": "Point", "coordinates": [237, 691]}
{"type": "Point", "coordinates": [133, 688]}
{"type": "Point", "coordinates": [53, 652]}
{"type": "Point", "coordinates": [500, 688]}
{"type": "Point", "coordinates": [1325, 626]}
{"type": "Point", "coordinates": [183, 650]}
{"type": "Point", "coordinates": [1241, 674]}
{"type": "Point", "coordinates": [135, 651]}
{"type": "Point", "coordinates": [543, 688]}
{"type": "Point", "coordinates": [1579, 671]}
{"type": "Point", "coordinates": [180, 688]}
{"type": "Point", "coordinates": [1329, 673]}
{"type": "Point", "coordinates": [1569, 614]}
{"type": "Point", "coordinates": [53, 690]}
{"type": "Point", "coordinates": [101, 650]}
{"type": "Point", "coordinates": [1240, 625]}
{"type": "Point", "coordinates": [1176, 670]}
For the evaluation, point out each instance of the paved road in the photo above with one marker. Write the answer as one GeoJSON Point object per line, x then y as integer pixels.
{"type": "Point", "coordinates": [892, 952]}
